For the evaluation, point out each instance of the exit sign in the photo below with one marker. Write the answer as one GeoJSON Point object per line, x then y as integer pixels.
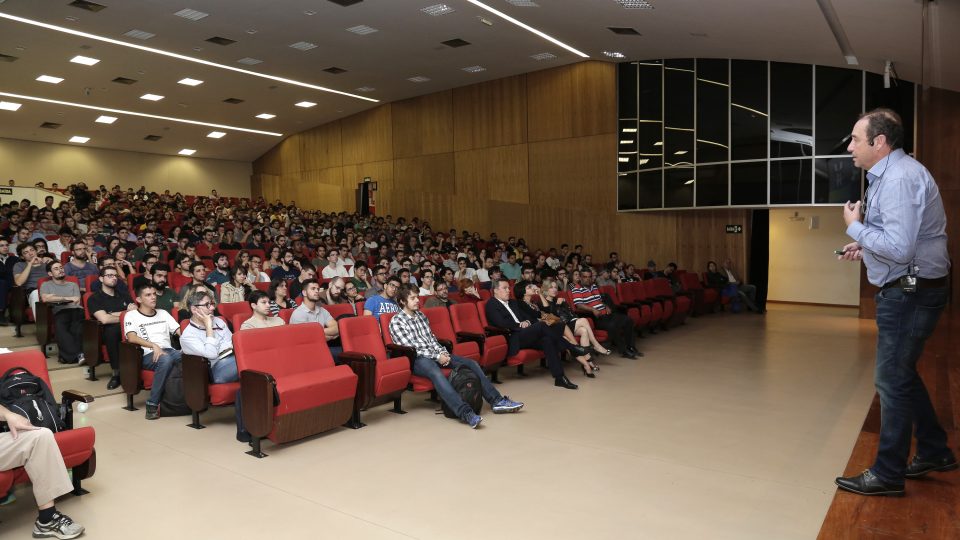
{"type": "Point", "coordinates": [734, 229]}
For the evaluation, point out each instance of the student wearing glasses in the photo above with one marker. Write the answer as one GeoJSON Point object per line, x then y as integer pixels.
{"type": "Point", "coordinates": [208, 336]}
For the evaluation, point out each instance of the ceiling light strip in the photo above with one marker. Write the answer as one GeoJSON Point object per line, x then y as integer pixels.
{"type": "Point", "coordinates": [144, 115]}
{"type": "Point", "coordinates": [180, 56]}
{"type": "Point", "coordinates": [528, 28]}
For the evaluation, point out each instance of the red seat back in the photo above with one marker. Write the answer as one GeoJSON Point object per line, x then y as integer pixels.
{"type": "Point", "coordinates": [262, 285]}
{"type": "Point", "coordinates": [690, 282]}
{"type": "Point", "coordinates": [232, 309]}
{"type": "Point", "coordinates": [440, 324]}
{"type": "Point", "coordinates": [286, 313]}
{"type": "Point", "coordinates": [482, 312]}
{"type": "Point", "coordinates": [31, 360]}
{"type": "Point", "coordinates": [466, 319]}
{"type": "Point", "coordinates": [282, 351]}
{"type": "Point", "coordinates": [385, 319]}
{"type": "Point", "coordinates": [341, 310]}
{"type": "Point", "coordinates": [362, 334]}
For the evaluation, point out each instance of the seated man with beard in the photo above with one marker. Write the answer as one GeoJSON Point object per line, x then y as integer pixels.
{"type": "Point", "coordinates": [166, 297]}
{"type": "Point", "coordinates": [80, 266]}
{"type": "Point", "coordinates": [106, 305]}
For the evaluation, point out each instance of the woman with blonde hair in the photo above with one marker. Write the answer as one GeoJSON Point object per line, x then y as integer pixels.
{"type": "Point", "coordinates": [532, 308]}
{"type": "Point", "coordinates": [578, 329]}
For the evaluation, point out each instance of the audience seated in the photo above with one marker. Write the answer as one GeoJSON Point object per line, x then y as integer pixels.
{"type": "Point", "coordinates": [261, 317]}
{"type": "Point", "coordinates": [384, 302]}
{"type": "Point", "coordinates": [312, 312]}
{"type": "Point", "coordinates": [151, 330]}
{"type": "Point", "coordinates": [587, 298]}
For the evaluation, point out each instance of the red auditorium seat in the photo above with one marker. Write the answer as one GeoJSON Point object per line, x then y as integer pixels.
{"type": "Point", "coordinates": [651, 311]}
{"type": "Point", "coordinates": [198, 391]}
{"type": "Point", "coordinates": [723, 300]}
{"type": "Point", "coordinates": [523, 356]}
{"type": "Point", "coordinates": [339, 311]}
{"type": "Point", "coordinates": [467, 325]}
{"type": "Point", "coordinates": [231, 309]}
{"type": "Point", "coordinates": [133, 377]}
{"type": "Point", "coordinates": [704, 299]}
{"type": "Point", "coordinates": [681, 303]}
{"type": "Point", "coordinates": [286, 313]}
{"type": "Point", "coordinates": [76, 444]}
{"type": "Point", "coordinates": [93, 350]}
{"type": "Point", "coordinates": [383, 378]}
{"type": "Point", "coordinates": [417, 383]}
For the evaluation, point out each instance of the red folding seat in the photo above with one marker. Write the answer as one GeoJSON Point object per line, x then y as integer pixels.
{"type": "Point", "coordinates": [286, 313]}
{"type": "Point", "coordinates": [262, 285]}
{"type": "Point", "coordinates": [681, 303]}
{"type": "Point", "coordinates": [601, 335]}
{"type": "Point", "coordinates": [704, 300]}
{"type": "Point", "coordinates": [89, 281]}
{"type": "Point", "coordinates": [65, 257]}
{"type": "Point", "coordinates": [130, 279]}
{"type": "Point", "coordinates": [417, 383]}
{"type": "Point", "coordinates": [231, 309]}
{"type": "Point", "coordinates": [467, 325]}
{"type": "Point", "coordinates": [176, 280]}
{"type": "Point", "coordinates": [339, 311]}
{"type": "Point", "coordinates": [198, 391]}
{"type": "Point", "coordinates": [44, 316]}
{"type": "Point", "coordinates": [133, 377]}
{"type": "Point", "coordinates": [76, 444]}
{"type": "Point", "coordinates": [651, 311]}
{"type": "Point", "coordinates": [439, 318]}
{"type": "Point", "coordinates": [383, 377]}
{"type": "Point", "coordinates": [723, 300]}
{"type": "Point", "coordinates": [523, 356]}
{"type": "Point", "coordinates": [94, 352]}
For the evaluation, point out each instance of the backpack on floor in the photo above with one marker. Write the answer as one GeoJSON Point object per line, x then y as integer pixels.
{"type": "Point", "coordinates": [29, 396]}
{"type": "Point", "coordinates": [467, 384]}
{"type": "Point", "coordinates": [173, 401]}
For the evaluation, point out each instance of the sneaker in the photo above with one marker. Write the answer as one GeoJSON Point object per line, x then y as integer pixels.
{"type": "Point", "coordinates": [61, 526]}
{"type": "Point", "coordinates": [506, 405]}
{"type": "Point", "coordinates": [473, 420]}
{"type": "Point", "coordinates": [153, 412]}
{"type": "Point", "coordinates": [9, 498]}
{"type": "Point", "coordinates": [81, 359]}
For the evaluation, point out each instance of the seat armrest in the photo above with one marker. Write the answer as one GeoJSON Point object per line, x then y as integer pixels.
{"type": "Point", "coordinates": [67, 399]}
{"type": "Point", "coordinates": [90, 331]}
{"type": "Point", "coordinates": [395, 351]}
{"type": "Point", "coordinates": [496, 331]}
{"type": "Point", "coordinates": [131, 362]}
{"type": "Point", "coordinates": [196, 381]}
{"type": "Point", "coordinates": [479, 339]}
{"type": "Point", "coordinates": [365, 367]}
{"type": "Point", "coordinates": [258, 390]}
{"type": "Point", "coordinates": [447, 344]}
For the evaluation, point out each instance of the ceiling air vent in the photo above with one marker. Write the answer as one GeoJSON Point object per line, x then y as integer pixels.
{"type": "Point", "coordinates": [50, 125]}
{"type": "Point", "coordinates": [89, 6]}
{"type": "Point", "coordinates": [346, 3]}
{"type": "Point", "coordinates": [456, 42]}
{"type": "Point", "coordinates": [8, 58]}
{"type": "Point", "coordinates": [623, 31]}
{"type": "Point", "coordinates": [335, 70]}
{"type": "Point", "coordinates": [221, 41]}
{"type": "Point", "coordinates": [152, 138]}
{"type": "Point", "coordinates": [124, 80]}
{"type": "Point", "coordinates": [233, 101]}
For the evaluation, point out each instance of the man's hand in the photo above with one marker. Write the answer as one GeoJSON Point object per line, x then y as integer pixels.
{"type": "Point", "coordinates": [443, 359]}
{"type": "Point", "coordinates": [851, 212]}
{"type": "Point", "coordinates": [17, 423]}
{"type": "Point", "coordinates": [525, 324]}
{"type": "Point", "coordinates": [157, 353]}
{"type": "Point", "coordinates": [851, 252]}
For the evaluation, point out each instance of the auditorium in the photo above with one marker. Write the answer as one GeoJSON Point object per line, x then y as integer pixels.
{"type": "Point", "coordinates": [384, 269]}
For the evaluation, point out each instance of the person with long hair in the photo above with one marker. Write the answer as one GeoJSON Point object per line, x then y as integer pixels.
{"type": "Point", "coordinates": [279, 298]}
{"type": "Point", "coordinates": [235, 290]}
{"type": "Point", "coordinates": [578, 329]}
{"type": "Point", "coordinates": [273, 260]}
{"type": "Point", "coordinates": [531, 308]}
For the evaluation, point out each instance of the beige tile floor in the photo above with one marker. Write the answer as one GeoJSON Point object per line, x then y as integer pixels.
{"type": "Point", "coordinates": [733, 426]}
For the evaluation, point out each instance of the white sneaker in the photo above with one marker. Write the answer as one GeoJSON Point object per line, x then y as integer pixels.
{"type": "Point", "coordinates": [61, 526]}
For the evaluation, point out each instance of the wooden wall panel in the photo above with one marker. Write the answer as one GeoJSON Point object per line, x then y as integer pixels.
{"type": "Point", "coordinates": [575, 173]}
{"type": "Point", "coordinates": [320, 147]}
{"type": "Point", "coordinates": [367, 136]}
{"type": "Point", "coordinates": [498, 174]}
{"type": "Point", "coordinates": [423, 125]}
{"type": "Point", "coordinates": [573, 101]}
{"type": "Point", "coordinates": [509, 219]}
{"type": "Point", "coordinates": [290, 161]}
{"type": "Point", "coordinates": [426, 174]}
{"type": "Point", "coordinates": [490, 114]}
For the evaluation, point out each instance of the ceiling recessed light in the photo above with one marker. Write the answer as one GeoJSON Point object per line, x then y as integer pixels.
{"type": "Point", "coordinates": [106, 119]}
{"type": "Point", "coordinates": [266, 116]}
{"type": "Point", "coordinates": [190, 82]}
{"type": "Point", "coordinates": [303, 46]}
{"type": "Point", "coordinates": [78, 139]}
{"type": "Point", "coordinates": [528, 28]}
{"type": "Point", "coordinates": [626, 141]}
{"type": "Point", "coordinates": [306, 104]}
{"type": "Point", "coordinates": [629, 130]}
{"type": "Point", "coordinates": [362, 29]}
{"type": "Point", "coordinates": [139, 34]}
{"type": "Point", "coordinates": [635, 4]}
{"type": "Point", "coordinates": [310, 13]}
{"type": "Point", "coordinates": [543, 56]}
{"type": "Point", "coordinates": [151, 97]}
{"type": "Point", "coordinates": [85, 60]}
{"type": "Point", "coordinates": [474, 69]}
{"type": "Point", "coordinates": [623, 159]}
{"type": "Point", "coordinates": [216, 134]}
{"type": "Point", "coordinates": [365, 89]}
{"type": "Point", "coordinates": [50, 79]}
{"type": "Point", "coordinates": [680, 152]}
{"type": "Point", "coordinates": [9, 106]}
{"type": "Point", "coordinates": [614, 54]}
{"type": "Point", "coordinates": [437, 9]}
{"type": "Point", "coordinates": [249, 61]}
{"type": "Point", "coordinates": [523, 3]}
{"type": "Point", "coordinates": [187, 152]}
{"type": "Point", "coordinates": [251, 31]}
{"type": "Point", "coordinates": [418, 79]}
{"type": "Point", "coordinates": [191, 14]}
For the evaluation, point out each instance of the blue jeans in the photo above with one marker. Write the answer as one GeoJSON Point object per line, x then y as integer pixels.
{"type": "Point", "coordinates": [224, 370]}
{"type": "Point", "coordinates": [904, 322]}
{"type": "Point", "coordinates": [429, 368]}
{"type": "Point", "coordinates": [161, 369]}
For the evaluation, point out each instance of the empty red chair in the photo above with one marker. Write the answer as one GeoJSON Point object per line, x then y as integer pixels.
{"type": "Point", "coordinates": [523, 356]}
{"type": "Point", "coordinates": [76, 444]}
{"type": "Point", "coordinates": [723, 300]}
{"type": "Point", "coordinates": [635, 294]}
{"type": "Point", "coordinates": [382, 378]}
{"type": "Point", "coordinates": [468, 327]}
{"type": "Point", "coordinates": [442, 327]}
{"type": "Point", "coordinates": [176, 280]}
{"type": "Point", "coordinates": [199, 393]}
{"type": "Point", "coordinates": [262, 285]}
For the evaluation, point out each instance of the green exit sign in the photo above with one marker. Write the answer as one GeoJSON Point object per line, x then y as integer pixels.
{"type": "Point", "coordinates": [734, 229]}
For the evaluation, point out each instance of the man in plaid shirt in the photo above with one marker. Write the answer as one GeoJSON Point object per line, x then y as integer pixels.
{"type": "Point", "coordinates": [411, 328]}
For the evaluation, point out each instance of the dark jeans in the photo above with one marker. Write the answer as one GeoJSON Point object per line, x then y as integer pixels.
{"type": "Point", "coordinates": [161, 369]}
{"type": "Point", "coordinates": [429, 368]}
{"type": "Point", "coordinates": [548, 339]}
{"type": "Point", "coordinates": [904, 322]}
{"type": "Point", "coordinates": [111, 340]}
{"type": "Point", "coordinates": [4, 290]}
{"type": "Point", "coordinates": [68, 326]}
{"type": "Point", "coordinates": [620, 327]}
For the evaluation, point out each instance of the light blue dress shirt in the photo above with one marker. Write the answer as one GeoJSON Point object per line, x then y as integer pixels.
{"type": "Point", "coordinates": [904, 222]}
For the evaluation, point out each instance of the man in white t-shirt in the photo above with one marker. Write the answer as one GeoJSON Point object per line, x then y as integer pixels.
{"type": "Point", "coordinates": [151, 329]}
{"type": "Point", "coordinates": [335, 267]}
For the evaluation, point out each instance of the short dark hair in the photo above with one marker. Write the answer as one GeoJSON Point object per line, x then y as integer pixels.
{"type": "Point", "coordinates": [256, 295]}
{"type": "Point", "coordinates": [309, 282]}
{"type": "Point", "coordinates": [51, 264]}
{"type": "Point", "coordinates": [195, 264]}
{"type": "Point", "coordinates": [105, 268]}
{"type": "Point", "coordinates": [393, 278]}
{"type": "Point", "coordinates": [498, 281]}
{"type": "Point", "coordinates": [886, 122]}
{"type": "Point", "coordinates": [527, 266]}
{"type": "Point", "coordinates": [378, 268]}
{"type": "Point", "coordinates": [22, 246]}
{"type": "Point", "coordinates": [74, 244]}
{"type": "Point", "coordinates": [144, 286]}
{"type": "Point", "coordinates": [672, 265]}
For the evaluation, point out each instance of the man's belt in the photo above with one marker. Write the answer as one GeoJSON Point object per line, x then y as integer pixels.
{"type": "Point", "coordinates": [922, 283]}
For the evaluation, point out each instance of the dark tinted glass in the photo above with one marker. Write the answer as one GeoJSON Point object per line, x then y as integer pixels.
{"type": "Point", "coordinates": [678, 183]}
{"type": "Point", "coordinates": [650, 127]}
{"type": "Point", "coordinates": [627, 146]}
{"type": "Point", "coordinates": [839, 102]}
{"type": "Point", "coordinates": [627, 192]}
{"type": "Point", "coordinates": [678, 97]}
{"type": "Point", "coordinates": [898, 97]}
{"type": "Point", "coordinates": [627, 95]}
{"type": "Point", "coordinates": [712, 110]}
{"type": "Point", "coordinates": [650, 186]}
{"type": "Point", "coordinates": [712, 185]}
{"type": "Point", "coordinates": [790, 181]}
{"type": "Point", "coordinates": [748, 183]}
{"type": "Point", "coordinates": [748, 109]}
{"type": "Point", "coordinates": [791, 110]}
{"type": "Point", "coordinates": [837, 181]}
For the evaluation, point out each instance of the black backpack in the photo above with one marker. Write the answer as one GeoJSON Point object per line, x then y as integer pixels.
{"type": "Point", "coordinates": [467, 384]}
{"type": "Point", "coordinates": [29, 396]}
{"type": "Point", "coordinates": [173, 401]}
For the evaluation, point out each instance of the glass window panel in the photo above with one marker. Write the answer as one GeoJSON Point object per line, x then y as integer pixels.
{"type": "Point", "coordinates": [791, 110]}
{"type": "Point", "coordinates": [748, 109]}
{"type": "Point", "coordinates": [679, 63]}
{"type": "Point", "coordinates": [651, 91]}
{"type": "Point", "coordinates": [627, 146]}
{"type": "Point", "coordinates": [712, 111]}
{"type": "Point", "coordinates": [678, 183]}
{"type": "Point", "coordinates": [650, 146]}
{"type": "Point", "coordinates": [678, 98]}
{"type": "Point", "coordinates": [627, 95]}
{"type": "Point", "coordinates": [790, 181]}
{"type": "Point", "coordinates": [712, 185]}
{"type": "Point", "coordinates": [748, 183]}
{"type": "Point", "coordinates": [839, 102]}
{"type": "Point", "coordinates": [678, 147]}
{"type": "Point", "coordinates": [837, 181]}
{"type": "Point", "coordinates": [898, 97]}
{"type": "Point", "coordinates": [650, 187]}
{"type": "Point", "coordinates": [627, 191]}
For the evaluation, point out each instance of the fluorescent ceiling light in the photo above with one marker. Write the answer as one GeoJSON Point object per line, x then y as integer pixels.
{"type": "Point", "coordinates": [190, 82]}
{"type": "Point", "coordinates": [151, 97]}
{"type": "Point", "coordinates": [303, 46]}
{"type": "Point", "coordinates": [365, 89]}
{"type": "Point", "coordinates": [635, 4]}
{"type": "Point", "coordinates": [85, 60]}
{"type": "Point", "coordinates": [306, 104]}
{"type": "Point", "coordinates": [474, 69]}
{"type": "Point", "coordinates": [249, 61]}
{"type": "Point", "coordinates": [523, 3]}
{"type": "Point", "coordinates": [643, 161]}
{"type": "Point", "coordinates": [137, 34]}
{"type": "Point", "coordinates": [688, 182]}
{"type": "Point", "coordinates": [528, 28]}
{"type": "Point", "coordinates": [106, 119]}
{"type": "Point", "coordinates": [9, 106]}
{"type": "Point", "coordinates": [851, 60]}
{"type": "Point", "coordinates": [543, 56]}
{"type": "Point", "coordinates": [418, 79]}
{"type": "Point", "coordinates": [680, 152]}
{"type": "Point", "coordinates": [658, 143]}
{"type": "Point", "coordinates": [614, 54]}
{"type": "Point", "coordinates": [179, 56]}
{"type": "Point", "coordinates": [629, 130]}
{"type": "Point", "coordinates": [50, 79]}
{"type": "Point", "coordinates": [623, 160]}
{"type": "Point", "coordinates": [140, 114]}
{"type": "Point", "coordinates": [78, 139]}
{"type": "Point", "coordinates": [216, 134]}
{"type": "Point", "coordinates": [437, 9]}
{"type": "Point", "coordinates": [626, 141]}
{"type": "Point", "coordinates": [362, 29]}
{"type": "Point", "coordinates": [187, 152]}
{"type": "Point", "coordinates": [266, 116]}
{"type": "Point", "coordinates": [191, 14]}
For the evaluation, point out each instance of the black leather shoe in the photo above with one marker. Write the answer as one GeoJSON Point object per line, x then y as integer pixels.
{"type": "Point", "coordinates": [243, 437]}
{"type": "Point", "coordinates": [579, 351]}
{"type": "Point", "coordinates": [114, 382]}
{"type": "Point", "coordinates": [563, 382]}
{"type": "Point", "coordinates": [628, 354]}
{"type": "Point", "coordinates": [868, 484]}
{"type": "Point", "coordinates": [919, 467]}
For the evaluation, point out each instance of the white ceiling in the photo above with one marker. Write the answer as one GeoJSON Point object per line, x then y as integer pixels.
{"type": "Point", "coordinates": [407, 44]}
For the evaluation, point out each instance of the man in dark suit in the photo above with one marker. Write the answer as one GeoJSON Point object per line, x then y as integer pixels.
{"type": "Point", "coordinates": [505, 313]}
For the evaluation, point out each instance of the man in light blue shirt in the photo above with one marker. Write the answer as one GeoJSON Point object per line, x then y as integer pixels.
{"type": "Point", "coordinates": [903, 242]}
